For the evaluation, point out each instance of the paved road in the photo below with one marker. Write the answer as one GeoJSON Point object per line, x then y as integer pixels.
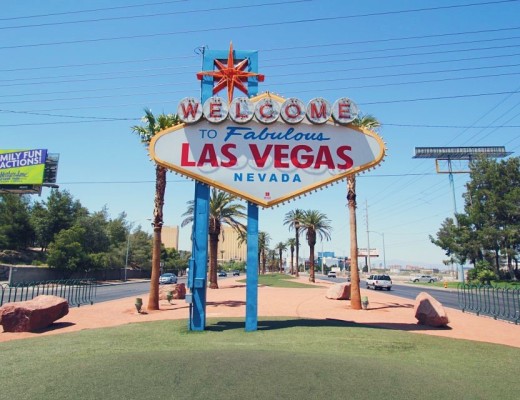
{"type": "Point", "coordinates": [112, 292]}
{"type": "Point", "coordinates": [447, 297]}
{"type": "Point", "coordinates": [129, 289]}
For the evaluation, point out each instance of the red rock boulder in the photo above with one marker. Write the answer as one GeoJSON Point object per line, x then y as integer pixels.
{"type": "Point", "coordinates": [429, 311]}
{"type": "Point", "coordinates": [31, 315]}
{"type": "Point", "coordinates": [339, 291]}
{"type": "Point", "coordinates": [178, 290]}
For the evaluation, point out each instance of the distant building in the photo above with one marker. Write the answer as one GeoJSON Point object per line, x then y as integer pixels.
{"type": "Point", "coordinates": [170, 237]}
{"type": "Point", "coordinates": [326, 254]}
{"type": "Point", "coordinates": [229, 246]}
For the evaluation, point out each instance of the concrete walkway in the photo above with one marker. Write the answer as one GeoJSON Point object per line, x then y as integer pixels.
{"type": "Point", "coordinates": [385, 311]}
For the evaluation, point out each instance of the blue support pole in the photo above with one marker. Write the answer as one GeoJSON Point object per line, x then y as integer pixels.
{"type": "Point", "coordinates": [198, 263]}
{"type": "Point", "coordinates": [198, 272]}
{"type": "Point", "coordinates": [252, 268]}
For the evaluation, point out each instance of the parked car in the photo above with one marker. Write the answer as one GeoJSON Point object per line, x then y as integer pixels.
{"type": "Point", "coordinates": [331, 274]}
{"type": "Point", "coordinates": [168, 278]}
{"type": "Point", "coordinates": [423, 278]}
{"type": "Point", "coordinates": [222, 273]}
{"type": "Point", "coordinates": [236, 272]}
{"type": "Point", "coordinates": [379, 282]}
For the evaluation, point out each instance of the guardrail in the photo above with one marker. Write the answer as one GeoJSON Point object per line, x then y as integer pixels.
{"type": "Point", "coordinates": [76, 291]}
{"type": "Point", "coordinates": [498, 303]}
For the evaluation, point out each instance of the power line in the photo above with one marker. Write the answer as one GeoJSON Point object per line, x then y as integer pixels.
{"type": "Point", "coordinates": [249, 26]}
{"type": "Point", "coordinates": [285, 83]}
{"type": "Point", "coordinates": [285, 49]}
{"type": "Point", "coordinates": [158, 14]}
{"type": "Point", "coordinates": [54, 76]}
{"type": "Point", "coordinates": [92, 10]}
{"type": "Point", "coordinates": [118, 74]}
{"type": "Point", "coordinates": [189, 180]}
{"type": "Point", "coordinates": [438, 98]}
{"type": "Point", "coordinates": [450, 126]}
{"type": "Point", "coordinates": [379, 66]}
{"type": "Point", "coordinates": [387, 56]}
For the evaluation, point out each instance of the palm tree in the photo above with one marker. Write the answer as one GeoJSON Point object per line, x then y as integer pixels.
{"type": "Point", "coordinates": [367, 121]}
{"type": "Point", "coordinates": [281, 247]}
{"type": "Point", "coordinates": [364, 122]}
{"type": "Point", "coordinates": [291, 243]}
{"type": "Point", "coordinates": [355, 294]}
{"type": "Point", "coordinates": [223, 210]}
{"type": "Point", "coordinates": [153, 126]}
{"type": "Point", "coordinates": [292, 218]}
{"type": "Point", "coordinates": [263, 248]}
{"type": "Point", "coordinates": [314, 223]}
{"type": "Point", "coordinates": [272, 260]}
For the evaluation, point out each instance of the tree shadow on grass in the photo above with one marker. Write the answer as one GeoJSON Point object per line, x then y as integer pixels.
{"type": "Point", "coordinates": [220, 326]}
{"type": "Point", "coordinates": [227, 303]}
{"type": "Point", "coordinates": [389, 305]}
{"type": "Point", "coordinates": [53, 327]}
{"type": "Point", "coordinates": [266, 325]}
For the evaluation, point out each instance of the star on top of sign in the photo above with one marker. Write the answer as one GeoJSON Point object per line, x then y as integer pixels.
{"type": "Point", "coordinates": [231, 75]}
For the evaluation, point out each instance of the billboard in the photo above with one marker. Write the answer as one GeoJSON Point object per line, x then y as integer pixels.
{"type": "Point", "coordinates": [266, 162]}
{"type": "Point", "coordinates": [363, 252]}
{"type": "Point", "coordinates": [22, 167]}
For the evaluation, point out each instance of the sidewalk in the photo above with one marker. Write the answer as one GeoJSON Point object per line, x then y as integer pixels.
{"type": "Point", "coordinates": [385, 311]}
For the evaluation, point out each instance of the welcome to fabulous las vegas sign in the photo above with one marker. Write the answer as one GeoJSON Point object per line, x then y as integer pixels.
{"type": "Point", "coordinates": [267, 149]}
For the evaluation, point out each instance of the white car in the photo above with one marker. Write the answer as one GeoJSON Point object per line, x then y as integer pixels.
{"type": "Point", "coordinates": [423, 278]}
{"type": "Point", "coordinates": [379, 282]}
{"type": "Point", "coordinates": [331, 274]}
{"type": "Point", "coordinates": [168, 278]}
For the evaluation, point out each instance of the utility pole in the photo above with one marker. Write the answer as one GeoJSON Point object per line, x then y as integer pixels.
{"type": "Point", "coordinates": [368, 239]}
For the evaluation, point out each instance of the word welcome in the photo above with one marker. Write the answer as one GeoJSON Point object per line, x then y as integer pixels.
{"type": "Point", "coordinates": [267, 110]}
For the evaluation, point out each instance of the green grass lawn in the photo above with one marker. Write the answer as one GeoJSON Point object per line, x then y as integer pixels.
{"type": "Point", "coordinates": [282, 281]}
{"type": "Point", "coordinates": [284, 359]}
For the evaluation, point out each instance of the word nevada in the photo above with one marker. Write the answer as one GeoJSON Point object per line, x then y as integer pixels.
{"type": "Point", "coordinates": [267, 110]}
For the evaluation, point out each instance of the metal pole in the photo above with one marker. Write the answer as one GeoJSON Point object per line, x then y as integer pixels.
{"type": "Point", "coordinates": [127, 250]}
{"type": "Point", "coordinates": [368, 240]}
{"type": "Point", "coordinates": [384, 250]}
{"type": "Point", "coordinates": [252, 269]}
{"type": "Point", "coordinates": [384, 253]}
{"type": "Point", "coordinates": [452, 184]}
{"type": "Point", "coordinates": [322, 256]}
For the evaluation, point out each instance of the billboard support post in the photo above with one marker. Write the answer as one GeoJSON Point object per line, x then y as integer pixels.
{"type": "Point", "coordinates": [198, 272]}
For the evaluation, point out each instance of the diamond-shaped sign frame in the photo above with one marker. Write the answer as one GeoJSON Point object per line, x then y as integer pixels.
{"type": "Point", "coordinates": [267, 164]}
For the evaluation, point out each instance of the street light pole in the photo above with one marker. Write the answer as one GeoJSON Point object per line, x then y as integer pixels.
{"type": "Point", "coordinates": [127, 251]}
{"type": "Point", "coordinates": [384, 251]}
{"type": "Point", "coordinates": [368, 241]}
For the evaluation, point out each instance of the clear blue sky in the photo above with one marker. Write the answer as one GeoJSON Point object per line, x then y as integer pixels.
{"type": "Point", "coordinates": [75, 76]}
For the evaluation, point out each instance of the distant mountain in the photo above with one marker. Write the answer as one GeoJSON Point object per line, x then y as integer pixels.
{"type": "Point", "coordinates": [404, 263]}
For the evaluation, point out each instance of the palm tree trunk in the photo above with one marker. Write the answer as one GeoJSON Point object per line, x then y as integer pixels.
{"type": "Point", "coordinates": [160, 188]}
{"type": "Point", "coordinates": [311, 262]}
{"type": "Point", "coordinates": [213, 247]}
{"type": "Point", "coordinates": [292, 261]}
{"type": "Point", "coordinates": [355, 294]}
{"type": "Point", "coordinates": [297, 230]}
{"type": "Point", "coordinates": [263, 262]}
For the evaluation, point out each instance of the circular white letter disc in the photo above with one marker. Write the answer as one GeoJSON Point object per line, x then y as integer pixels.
{"type": "Point", "coordinates": [215, 109]}
{"type": "Point", "coordinates": [292, 110]}
{"type": "Point", "coordinates": [344, 110]}
{"type": "Point", "coordinates": [241, 110]}
{"type": "Point", "coordinates": [267, 110]}
{"type": "Point", "coordinates": [318, 110]}
{"type": "Point", "coordinates": [189, 110]}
